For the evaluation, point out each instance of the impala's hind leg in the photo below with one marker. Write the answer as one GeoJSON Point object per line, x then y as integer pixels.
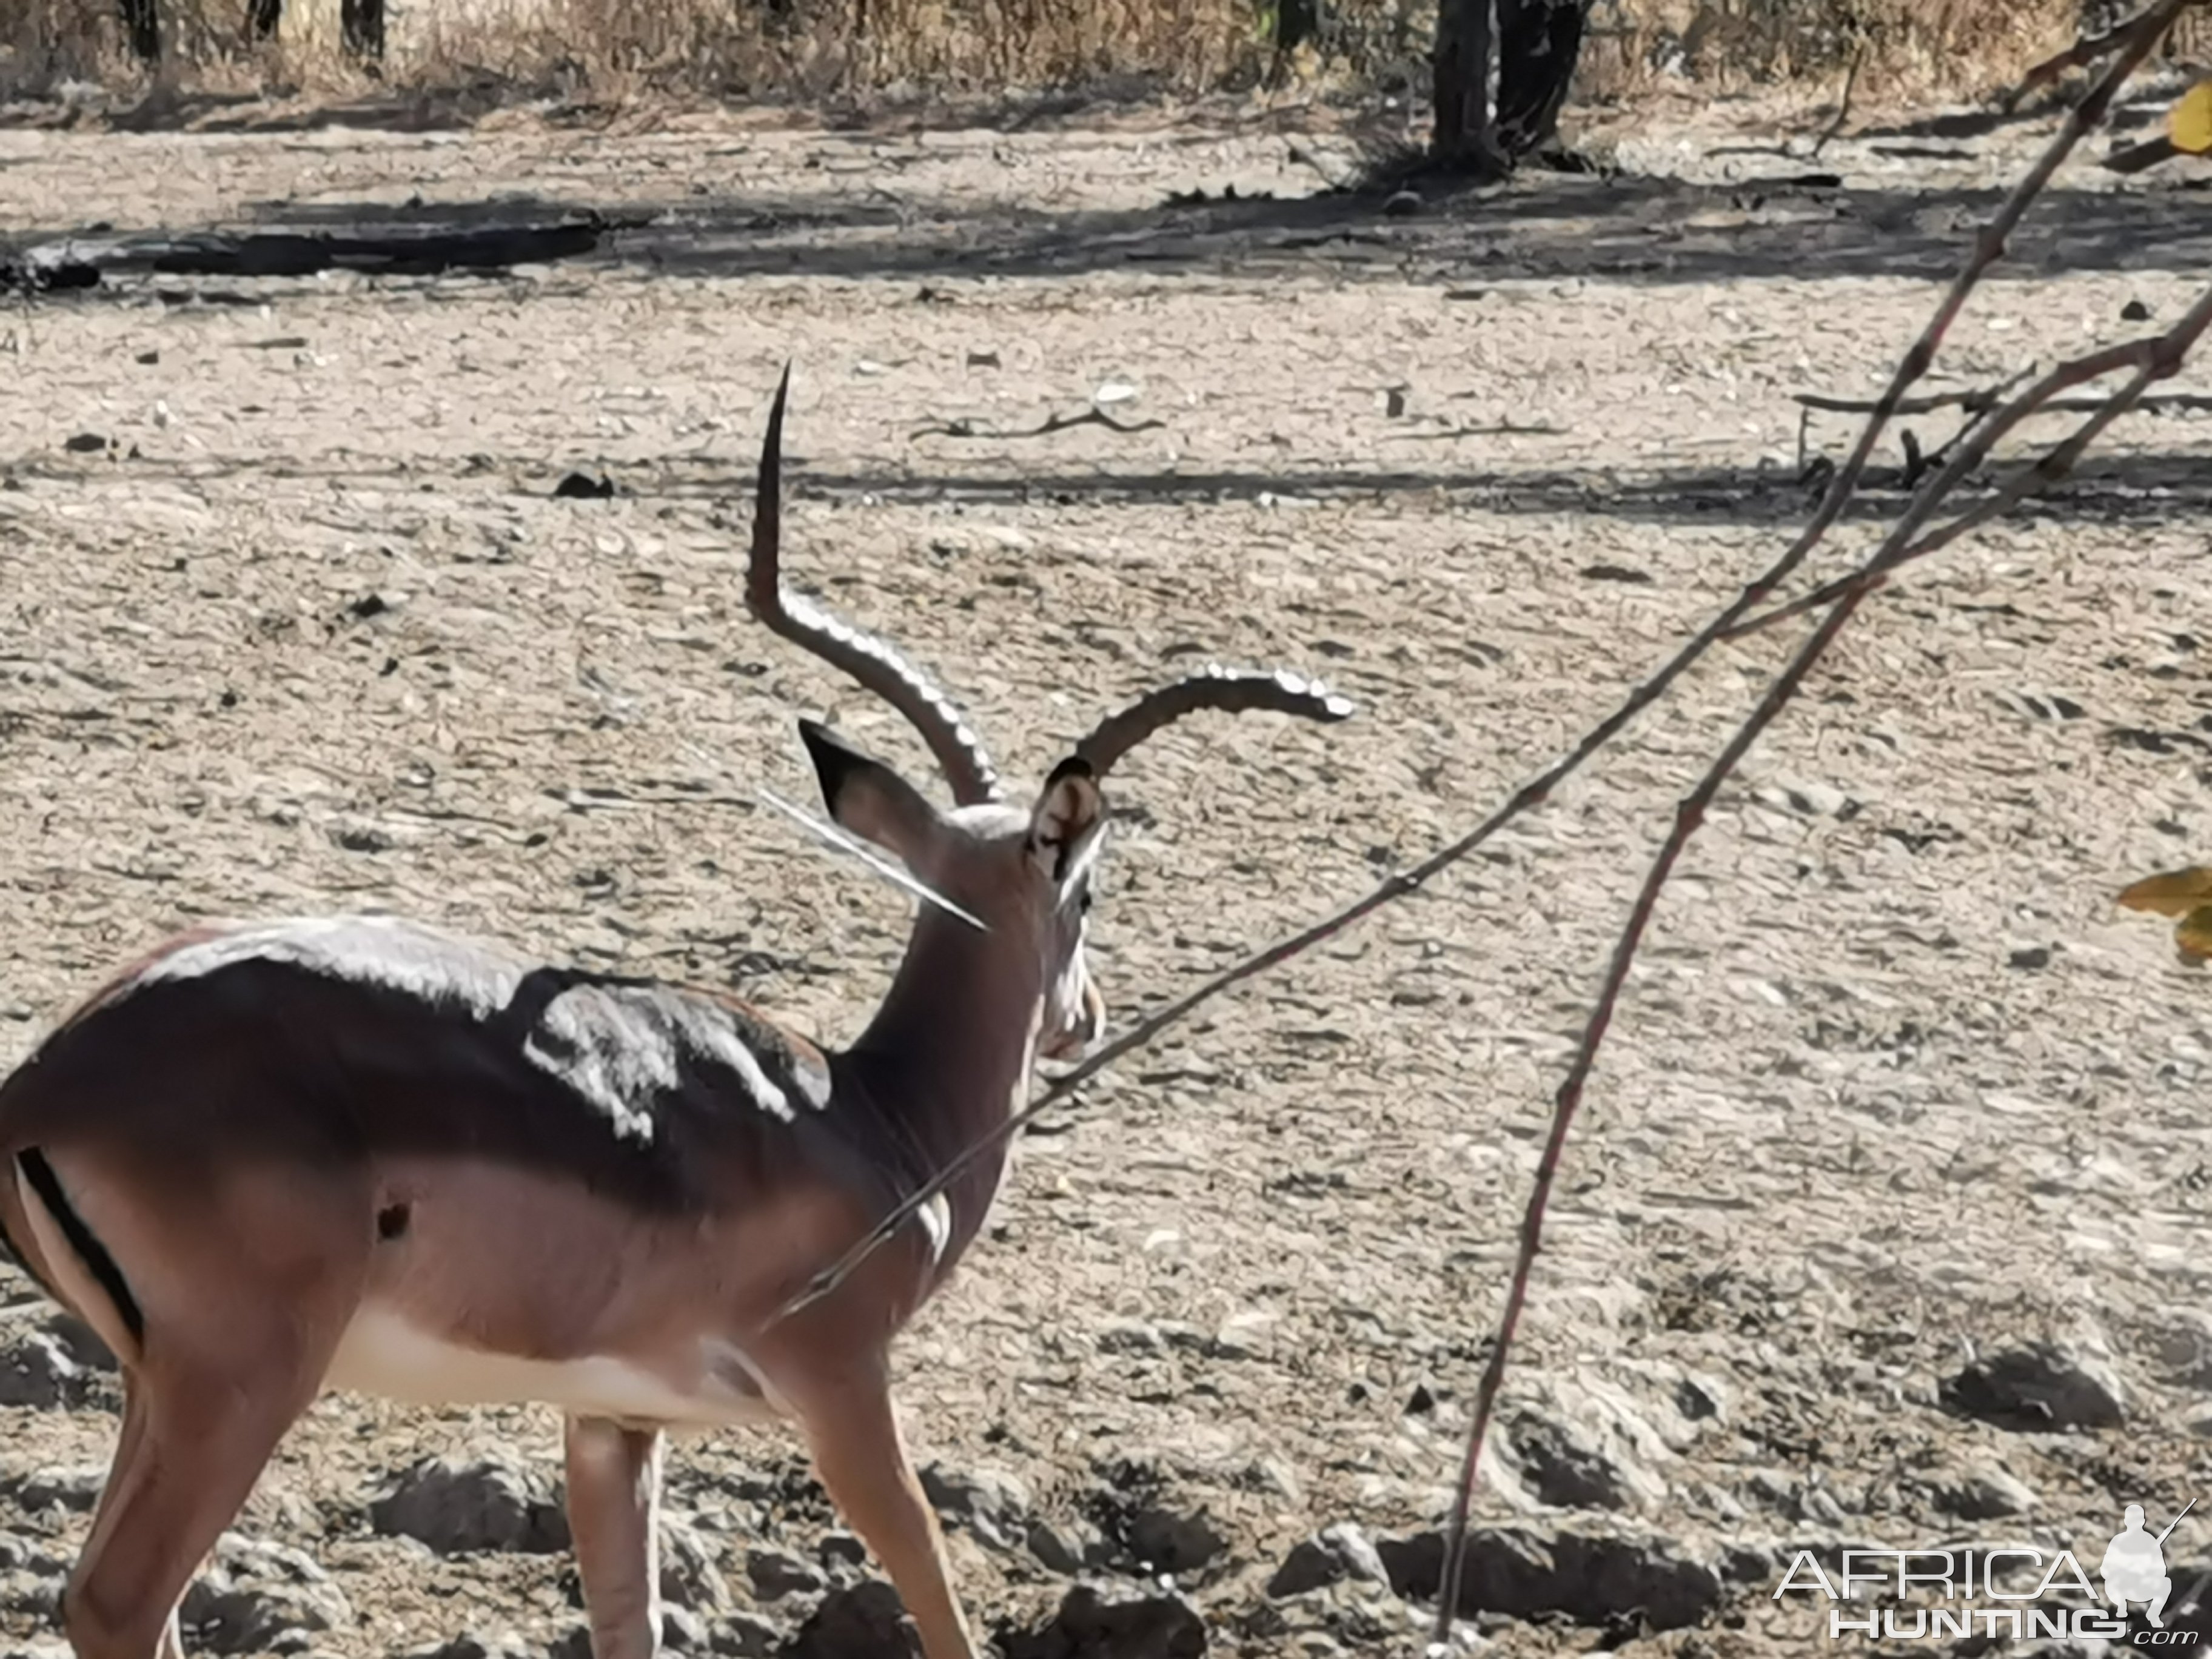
{"type": "Point", "coordinates": [243, 1288]}
{"type": "Point", "coordinates": [207, 1431]}
{"type": "Point", "coordinates": [123, 1473]}
{"type": "Point", "coordinates": [614, 1499]}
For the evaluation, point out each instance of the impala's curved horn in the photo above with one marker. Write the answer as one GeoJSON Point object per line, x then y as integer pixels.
{"type": "Point", "coordinates": [876, 664]}
{"type": "Point", "coordinates": [1234, 691]}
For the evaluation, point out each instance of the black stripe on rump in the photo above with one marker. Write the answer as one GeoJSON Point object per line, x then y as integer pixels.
{"type": "Point", "coordinates": [89, 1250]}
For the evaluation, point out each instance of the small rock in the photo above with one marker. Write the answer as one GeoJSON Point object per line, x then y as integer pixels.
{"type": "Point", "coordinates": [1247, 1334]}
{"type": "Point", "coordinates": [992, 1505]}
{"type": "Point", "coordinates": [1165, 1541]}
{"type": "Point", "coordinates": [457, 1507]}
{"type": "Point", "coordinates": [2135, 312]}
{"type": "Point", "coordinates": [1700, 1398]}
{"type": "Point", "coordinates": [254, 1594]}
{"type": "Point", "coordinates": [1593, 1579]}
{"type": "Point", "coordinates": [864, 1622]}
{"type": "Point", "coordinates": [1129, 1336]}
{"type": "Point", "coordinates": [743, 1635]}
{"type": "Point", "coordinates": [2184, 1352]}
{"type": "Point", "coordinates": [1088, 1627]}
{"type": "Point", "coordinates": [1339, 1552]}
{"type": "Point", "coordinates": [36, 1595]}
{"type": "Point", "coordinates": [683, 1631]}
{"type": "Point", "coordinates": [85, 443]}
{"type": "Point", "coordinates": [583, 487]}
{"type": "Point", "coordinates": [1984, 1495]}
{"type": "Point", "coordinates": [778, 1573]}
{"type": "Point", "coordinates": [76, 1490]}
{"type": "Point", "coordinates": [37, 1371]}
{"type": "Point", "coordinates": [1751, 1564]}
{"type": "Point", "coordinates": [1067, 1547]}
{"type": "Point", "coordinates": [1579, 1465]}
{"type": "Point", "coordinates": [574, 1642]}
{"type": "Point", "coordinates": [82, 1344]}
{"type": "Point", "coordinates": [841, 1549]}
{"type": "Point", "coordinates": [2040, 1387]}
{"type": "Point", "coordinates": [1274, 1477]}
{"type": "Point", "coordinates": [1401, 205]}
{"type": "Point", "coordinates": [690, 1574]}
{"type": "Point", "coordinates": [1585, 1442]}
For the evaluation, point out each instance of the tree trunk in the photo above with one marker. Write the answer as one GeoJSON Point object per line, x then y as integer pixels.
{"type": "Point", "coordinates": [1462, 136]}
{"type": "Point", "coordinates": [1540, 42]}
{"type": "Point", "coordinates": [360, 28]}
{"type": "Point", "coordinates": [142, 25]}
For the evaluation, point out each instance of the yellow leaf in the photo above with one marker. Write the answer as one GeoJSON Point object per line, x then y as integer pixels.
{"type": "Point", "coordinates": [2193, 934]}
{"type": "Point", "coordinates": [2174, 893]}
{"type": "Point", "coordinates": [2190, 123]}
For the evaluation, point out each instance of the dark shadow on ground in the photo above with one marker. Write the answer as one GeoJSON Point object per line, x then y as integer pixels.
{"type": "Point", "coordinates": [2140, 489]}
{"type": "Point", "coordinates": [1618, 229]}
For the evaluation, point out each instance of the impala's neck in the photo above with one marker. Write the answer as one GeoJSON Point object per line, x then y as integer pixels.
{"type": "Point", "coordinates": [947, 1057]}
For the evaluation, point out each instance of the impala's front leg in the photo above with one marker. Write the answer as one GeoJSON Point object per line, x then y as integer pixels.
{"type": "Point", "coordinates": [614, 1498]}
{"type": "Point", "coordinates": [861, 1458]}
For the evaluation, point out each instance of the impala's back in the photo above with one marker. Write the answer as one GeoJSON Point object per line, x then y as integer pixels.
{"type": "Point", "coordinates": [506, 1171]}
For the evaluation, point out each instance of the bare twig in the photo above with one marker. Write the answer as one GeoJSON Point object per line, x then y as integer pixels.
{"type": "Point", "coordinates": [1843, 103]}
{"type": "Point", "coordinates": [2156, 357]}
{"type": "Point", "coordinates": [1498, 430]}
{"type": "Point", "coordinates": [1987, 397]}
{"type": "Point", "coordinates": [1989, 248]}
{"type": "Point", "coordinates": [2085, 50]}
{"type": "Point", "coordinates": [961, 427]}
{"type": "Point", "coordinates": [1688, 815]}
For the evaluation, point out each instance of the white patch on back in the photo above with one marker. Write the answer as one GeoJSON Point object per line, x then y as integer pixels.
{"type": "Point", "coordinates": [362, 949]}
{"type": "Point", "coordinates": [382, 1353]}
{"type": "Point", "coordinates": [627, 1042]}
{"type": "Point", "coordinates": [618, 1046]}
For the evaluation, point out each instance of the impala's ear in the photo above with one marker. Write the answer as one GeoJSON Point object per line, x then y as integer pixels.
{"type": "Point", "coordinates": [1069, 822]}
{"type": "Point", "coordinates": [867, 798]}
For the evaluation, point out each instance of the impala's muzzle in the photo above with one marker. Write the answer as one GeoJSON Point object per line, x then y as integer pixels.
{"type": "Point", "coordinates": [1079, 1028]}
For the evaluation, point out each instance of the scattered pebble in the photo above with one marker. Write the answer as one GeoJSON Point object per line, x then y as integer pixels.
{"type": "Point", "coordinates": [458, 1508]}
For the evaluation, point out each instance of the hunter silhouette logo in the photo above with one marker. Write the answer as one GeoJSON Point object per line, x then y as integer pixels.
{"type": "Point", "coordinates": [2134, 1568]}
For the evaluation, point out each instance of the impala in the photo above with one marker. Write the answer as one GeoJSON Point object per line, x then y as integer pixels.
{"type": "Point", "coordinates": [351, 1152]}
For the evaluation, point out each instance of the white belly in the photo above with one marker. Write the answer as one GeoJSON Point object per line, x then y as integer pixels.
{"type": "Point", "coordinates": [383, 1354]}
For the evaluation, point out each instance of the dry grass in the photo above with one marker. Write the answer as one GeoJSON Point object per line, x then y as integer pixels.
{"type": "Point", "coordinates": [629, 51]}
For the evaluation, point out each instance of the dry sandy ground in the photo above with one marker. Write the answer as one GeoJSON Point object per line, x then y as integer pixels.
{"type": "Point", "coordinates": [1895, 1083]}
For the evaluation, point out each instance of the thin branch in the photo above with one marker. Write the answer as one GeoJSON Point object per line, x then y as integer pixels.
{"type": "Point", "coordinates": [1843, 103]}
{"type": "Point", "coordinates": [2086, 50]}
{"type": "Point", "coordinates": [1688, 815]}
{"type": "Point", "coordinates": [961, 427]}
{"type": "Point", "coordinates": [2156, 358]}
{"type": "Point", "coordinates": [1987, 397]}
{"type": "Point", "coordinates": [1989, 248]}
